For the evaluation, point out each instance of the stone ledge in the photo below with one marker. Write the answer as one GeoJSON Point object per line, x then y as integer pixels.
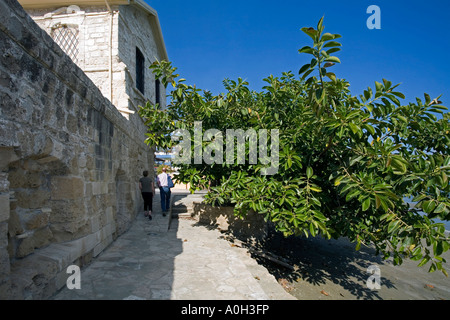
{"type": "Point", "coordinates": [44, 272]}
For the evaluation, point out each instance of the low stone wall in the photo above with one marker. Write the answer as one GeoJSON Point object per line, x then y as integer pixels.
{"type": "Point", "coordinates": [252, 228]}
{"type": "Point", "coordinates": [69, 162]}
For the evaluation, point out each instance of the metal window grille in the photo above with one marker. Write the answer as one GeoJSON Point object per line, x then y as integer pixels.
{"type": "Point", "coordinates": [66, 36]}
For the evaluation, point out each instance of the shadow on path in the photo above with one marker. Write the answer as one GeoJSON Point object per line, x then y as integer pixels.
{"type": "Point", "coordinates": [334, 270]}
{"type": "Point", "coordinates": [138, 265]}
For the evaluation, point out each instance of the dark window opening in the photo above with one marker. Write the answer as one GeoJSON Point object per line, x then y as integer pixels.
{"type": "Point", "coordinates": [140, 70]}
{"type": "Point", "coordinates": [157, 93]}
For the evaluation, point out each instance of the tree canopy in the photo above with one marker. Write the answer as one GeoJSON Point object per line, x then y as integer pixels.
{"type": "Point", "coordinates": [347, 164]}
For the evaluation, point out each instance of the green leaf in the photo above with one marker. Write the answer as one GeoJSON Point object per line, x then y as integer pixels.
{"type": "Point", "coordinates": [445, 246]}
{"type": "Point", "coordinates": [312, 229]}
{"type": "Point", "coordinates": [327, 36]}
{"type": "Point", "coordinates": [353, 127]}
{"type": "Point", "coordinates": [366, 204]}
{"type": "Point", "coordinates": [358, 245]}
{"type": "Point", "coordinates": [432, 268]}
{"type": "Point", "coordinates": [440, 208]}
{"type": "Point", "coordinates": [399, 94]}
{"type": "Point", "coordinates": [338, 181]}
{"type": "Point", "coordinates": [378, 86]}
{"type": "Point", "coordinates": [427, 98]}
{"type": "Point", "coordinates": [387, 84]}
{"type": "Point", "coordinates": [438, 248]}
{"type": "Point", "coordinates": [398, 164]}
{"type": "Point", "coordinates": [444, 178]}
{"type": "Point", "coordinates": [424, 261]}
{"type": "Point", "coordinates": [419, 197]}
{"type": "Point", "coordinates": [307, 73]}
{"type": "Point", "coordinates": [310, 32]}
{"type": "Point", "coordinates": [332, 44]}
{"type": "Point", "coordinates": [393, 225]}
{"type": "Point", "coordinates": [309, 172]}
{"type": "Point", "coordinates": [306, 49]}
{"type": "Point", "coordinates": [395, 100]}
{"type": "Point", "coordinates": [333, 59]}
{"type": "Point", "coordinates": [333, 50]}
{"type": "Point", "coordinates": [369, 128]}
{"type": "Point", "coordinates": [352, 194]}
{"type": "Point", "coordinates": [320, 95]}
{"type": "Point", "coordinates": [332, 76]}
{"type": "Point", "coordinates": [320, 24]}
{"type": "Point", "coordinates": [304, 68]}
{"type": "Point", "coordinates": [377, 201]}
{"type": "Point", "coordinates": [428, 206]}
{"type": "Point", "coordinates": [316, 201]}
{"type": "Point", "coordinates": [386, 216]}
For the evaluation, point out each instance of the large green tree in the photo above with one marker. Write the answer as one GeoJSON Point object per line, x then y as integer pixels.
{"type": "Point", "coordinates": [346, 163]}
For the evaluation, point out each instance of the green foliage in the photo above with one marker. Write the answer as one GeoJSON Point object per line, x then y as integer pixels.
{"type": "Point", "coordinates": [347, 163]}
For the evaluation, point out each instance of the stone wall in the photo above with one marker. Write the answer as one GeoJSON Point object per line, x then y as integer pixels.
{"type": "Point", "coordinates": [135, 29]}
{"type": "Point", "coordinates": [251, 229]}
{"type": "Point", "coordinates": [69, 162]}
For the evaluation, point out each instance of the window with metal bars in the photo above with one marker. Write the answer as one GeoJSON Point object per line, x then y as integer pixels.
{"type": "Point", "coordinates": [66, 36]}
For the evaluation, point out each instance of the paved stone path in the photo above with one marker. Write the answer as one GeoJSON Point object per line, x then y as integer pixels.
{"type": "Point", "coordinates": [187, 261]}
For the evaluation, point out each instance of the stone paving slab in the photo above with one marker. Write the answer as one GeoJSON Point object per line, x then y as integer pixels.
{"type": "Point", "coordinates": [186, 262]}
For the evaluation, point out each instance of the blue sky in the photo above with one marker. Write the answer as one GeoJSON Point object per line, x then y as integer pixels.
{"type": "Point", "coordinates": [210, 40]}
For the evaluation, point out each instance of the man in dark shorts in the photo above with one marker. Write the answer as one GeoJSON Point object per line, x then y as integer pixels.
{"type": "Point", "coordinates": [148, 190]}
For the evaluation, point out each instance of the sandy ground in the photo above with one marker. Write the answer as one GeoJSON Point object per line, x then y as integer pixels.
{"type": "Point", "coordinates": [333, 270]}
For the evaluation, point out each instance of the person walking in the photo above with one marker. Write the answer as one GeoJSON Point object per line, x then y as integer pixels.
{"type": "Point", "coordinates": [147, 190]}
{"type": "Point", "coordinates": [163, 184]}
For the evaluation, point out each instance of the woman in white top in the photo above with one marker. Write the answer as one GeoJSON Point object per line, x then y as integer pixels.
{"type": "Point", "coordinates": [163, 184]}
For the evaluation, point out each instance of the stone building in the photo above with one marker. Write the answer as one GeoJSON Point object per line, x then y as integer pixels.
{"type": "Point", "coordinates": [71, 141]}
{"type": "Point", "coordinates": [112, 41]}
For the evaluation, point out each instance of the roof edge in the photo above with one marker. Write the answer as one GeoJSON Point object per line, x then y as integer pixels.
{"type": "Point", "coordinates": [146, 7]}
{"type": "Point", "coordinates": [33, 4]}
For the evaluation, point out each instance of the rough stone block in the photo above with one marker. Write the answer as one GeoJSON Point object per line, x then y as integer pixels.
{"type": "Point", "coordinates": [109, 215]}
{"type": "Point", "coordinates": [39, 219]}
{"type": "Point", "coordinates": [99, 188]}
{"type": "Point", "coordinates": [32, 198]}
{"type": "Point", "coordinates": [69, 231]}
{"type": "Point", "coordinates": [4, 206]}
{"type": "Point", "coordinates": [3, 235]}
{"type": "Point", "coordinates": [14, 225]}
{"type": "Point", "coordinates": [7, 155]}
{"type": "Point", "coordinates": [66, 188]}
{"type": "Point", "coordinates": [61, 279]}
{"type": "Point", "coordinates": [38, 239]}
{"type": "Point", "coordinates": [34, 273]}
{"type": "Point", "coordinates": [4, 182]}
{"type": "Point", "coordinates": [66, 211]}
